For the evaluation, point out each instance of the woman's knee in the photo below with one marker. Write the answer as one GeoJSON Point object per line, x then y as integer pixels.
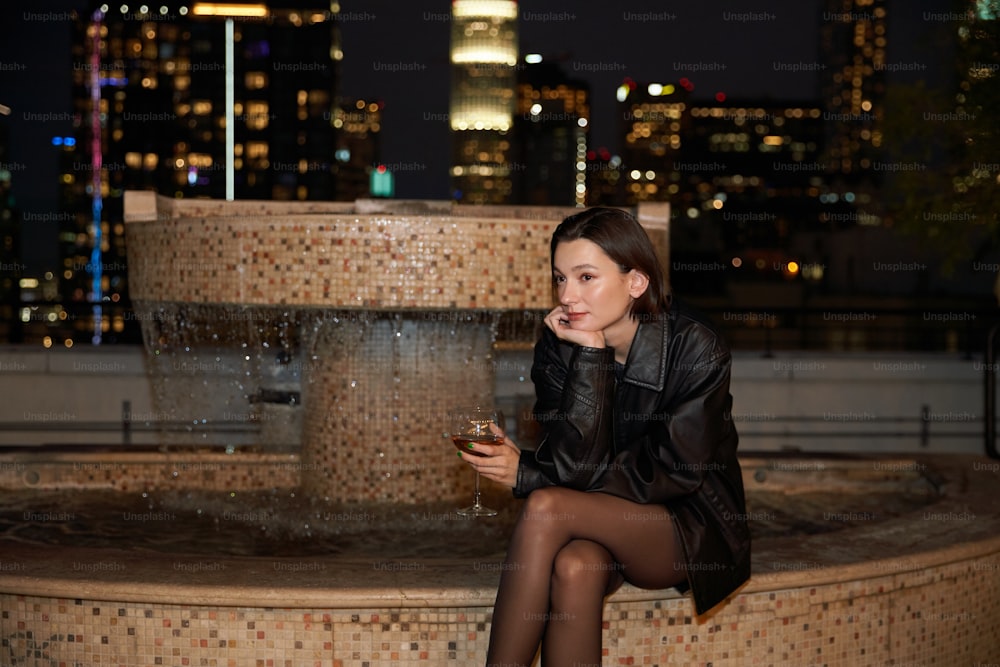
{"type": "Point", "coordinates": [582, 565]}
{"type": "Point", "coordinates": [551, 503]}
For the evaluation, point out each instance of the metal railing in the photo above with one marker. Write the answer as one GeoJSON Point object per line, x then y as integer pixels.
{"type": "Point", "coordinates": [990, 394]}
{"type": "Point", "coordinates": [126, 428]}
{"type": "Point", "coordinates": [918, 428]}
{"type": "Point", "coordinates": [810, 326]}
{"type": "Point", "coordinates": [769, 329]}
{"type": "Point", "coordinates": [829, 328]}
{"type": "Point", "coordinates": [760, 329]}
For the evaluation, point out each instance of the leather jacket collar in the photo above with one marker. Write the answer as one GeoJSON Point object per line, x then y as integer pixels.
{"type": "Point", "coordinates": [645, 365]}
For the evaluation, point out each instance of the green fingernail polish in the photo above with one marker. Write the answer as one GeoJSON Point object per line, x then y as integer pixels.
{"type": "Point", "coordinates": [459, 454]}
{"type": "Point", "coordinates": [469, 445]}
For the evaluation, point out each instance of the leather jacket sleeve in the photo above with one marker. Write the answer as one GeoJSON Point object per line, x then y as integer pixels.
{"type": "Point", "coordinates": [574, 408]}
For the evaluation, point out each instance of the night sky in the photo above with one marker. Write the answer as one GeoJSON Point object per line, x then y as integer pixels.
{"type": "Point", "coordinates": [398, 52]}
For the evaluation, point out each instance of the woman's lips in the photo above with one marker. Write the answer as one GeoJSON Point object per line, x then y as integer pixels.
{"type": "Point", "coordinates": [573, 317]}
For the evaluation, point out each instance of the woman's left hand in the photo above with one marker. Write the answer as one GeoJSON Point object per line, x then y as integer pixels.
{"type": "Point", "coordinates": [498, 462]}
{"type": "Point", "coordinates": [558, 322]}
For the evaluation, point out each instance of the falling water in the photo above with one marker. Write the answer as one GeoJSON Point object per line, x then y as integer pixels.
{"type": "Point", "coordinates": [362, 396]}
{"type": "Point", "coordinates": [377, 394]}
{"type": "Point", "coordinates": [216, 372]}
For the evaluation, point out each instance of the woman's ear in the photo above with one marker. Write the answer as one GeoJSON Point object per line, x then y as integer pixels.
{"type": "Point", "coordinates": [638, 283]}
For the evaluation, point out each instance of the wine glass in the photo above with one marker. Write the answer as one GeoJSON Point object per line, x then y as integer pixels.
{"type": "Point", "coordinates": [471, 424]}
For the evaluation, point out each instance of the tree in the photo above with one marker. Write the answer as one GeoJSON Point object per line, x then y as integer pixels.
{"type": "Point", "coordinates": [943, 184]}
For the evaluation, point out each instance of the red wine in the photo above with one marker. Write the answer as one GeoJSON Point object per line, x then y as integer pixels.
{"type": "Point", "coordinates": [462, 442]}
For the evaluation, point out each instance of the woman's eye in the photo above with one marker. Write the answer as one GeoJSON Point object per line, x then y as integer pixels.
{"type": "Point", "coordinates": [586, 276]}
{"type": "Point", "coordinates": [558, 280]}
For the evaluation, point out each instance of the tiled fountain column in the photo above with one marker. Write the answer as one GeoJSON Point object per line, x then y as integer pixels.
{"type": "Point", "coordinates": [379, 390]}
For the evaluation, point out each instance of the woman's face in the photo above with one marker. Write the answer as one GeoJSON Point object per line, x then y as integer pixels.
{"type": "Point", "coordinates": [593, 292]}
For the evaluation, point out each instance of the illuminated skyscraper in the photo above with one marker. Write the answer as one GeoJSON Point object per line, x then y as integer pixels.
{"type": "Point", "coordinates": [738, 173]}
{"type": "Point", "coordinates": [358, 126]}
{"type": "Point", "coordinates": [11, 270]}
{"type": "Point", "coordinates": [753, 168]}
{"type": "Point", "coordinates": [853, 50]}
{"type": "Point", "coordinates": [483, 57]}
{"type": "Point", "coordinates": [653, 118]}
{"type": "Point", "coordinates": [162, 84]}
{"type": "Point", "coordinates": [604, 178]}
{"type": "Point", "coordinates": [551, 128]}
{"type": "Point", "coordinates": [192, 99]}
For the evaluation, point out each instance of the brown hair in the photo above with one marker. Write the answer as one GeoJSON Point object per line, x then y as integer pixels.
{"type": "Point", "coordinates": [624, 240]}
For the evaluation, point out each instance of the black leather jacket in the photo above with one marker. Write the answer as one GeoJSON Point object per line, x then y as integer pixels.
{"type": "Point", "coordinates": [658, 430]}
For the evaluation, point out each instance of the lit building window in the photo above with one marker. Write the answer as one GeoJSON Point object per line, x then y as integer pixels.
{"type": "Point", "coordinates": [255, 80]}
{"type": "Point", "coordinates": [202, 160]}
{"type": "Point", "coordinates": [256, 115]}
{"type": "Point", "coordinates": [256, 150]}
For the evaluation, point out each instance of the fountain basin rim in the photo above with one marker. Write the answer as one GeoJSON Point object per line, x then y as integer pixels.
{"type": "Point", "coordinates": [347, 217]}
{"type": "Point", "coordinates": [894, 548]}
{"type": "Point", "coordinates": [375, 310]}
{"type": "Point", "coordinates": [149, 206]}
{"type": "Point", "coordinates": [143, 580]}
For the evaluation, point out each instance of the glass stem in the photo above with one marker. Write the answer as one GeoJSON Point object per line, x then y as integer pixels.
{"type": "Point", "coordinates": [476, 503]}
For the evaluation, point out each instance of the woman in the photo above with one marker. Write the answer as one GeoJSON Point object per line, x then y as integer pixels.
{"type": "Point", "coordinates": [636, 477]}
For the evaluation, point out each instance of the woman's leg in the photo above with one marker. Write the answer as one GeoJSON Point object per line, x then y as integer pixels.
{"type": "Point", "coordinates": [639, 538]}
{"type": "Point", "coordinates": [582, 575]}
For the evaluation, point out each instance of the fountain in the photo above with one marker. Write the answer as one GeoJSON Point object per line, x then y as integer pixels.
{"type": "Point", "coordinates": [363, 322]}
{"type": "Point", "coordinates": [392, 306]}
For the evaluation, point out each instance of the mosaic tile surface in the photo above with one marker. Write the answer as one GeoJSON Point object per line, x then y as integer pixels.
{"type": "Point", "coordinates": [326, 254]}
{"type": "Point", "coordinates": [921, 591]}
{"type": "Point", "coordinates": [386, 388]}
{"type": "Point", "coordinates": [343, 261]}
{"type": "Point", "coordinates": [948, 617]}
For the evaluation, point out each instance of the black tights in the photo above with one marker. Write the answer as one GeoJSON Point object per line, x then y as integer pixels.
{"type": "Point", "coordinates": [569, 549]}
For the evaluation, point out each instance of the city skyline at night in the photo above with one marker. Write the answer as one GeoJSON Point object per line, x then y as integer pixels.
{"type": "Point", "coordinates": [386, 59]}
{"type": "Point", "coordinates": [714, 98]}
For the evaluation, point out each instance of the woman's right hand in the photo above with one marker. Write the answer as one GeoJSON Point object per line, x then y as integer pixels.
{"type": "Point", "coordinates": [556, 321]}
{"type": "Point", "coordinates": [496, 462]}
